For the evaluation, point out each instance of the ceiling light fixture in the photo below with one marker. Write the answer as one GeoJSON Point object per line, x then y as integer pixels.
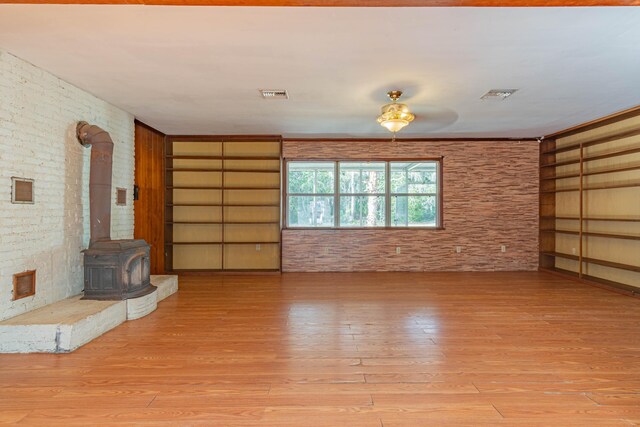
{"type": "Point", "coordinates": [395, 115]}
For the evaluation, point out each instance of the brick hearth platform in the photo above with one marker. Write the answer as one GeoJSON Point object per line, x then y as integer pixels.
{"type": "Point", "coordinates": [68, 324]}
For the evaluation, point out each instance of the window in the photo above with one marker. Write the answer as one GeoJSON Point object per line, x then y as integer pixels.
{"type": "Point", "coordinates": [355, 194]}
{"type": "Point", "coordinates": [362, 194]}
{"type": "Point", "coordinates": [311, 194]}
{"type": "Point", "coordinates": [414, 194]}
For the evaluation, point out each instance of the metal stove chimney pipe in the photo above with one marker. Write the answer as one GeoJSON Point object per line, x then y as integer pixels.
{"type": "Point", "coordinates": [99, 180]}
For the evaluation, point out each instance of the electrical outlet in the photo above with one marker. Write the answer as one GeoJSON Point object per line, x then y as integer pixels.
{"type": "Point", "coordinates": [503, 248]}
{"type": "Point", "coordinates": [573, 251]}
{"type": "Point", "coordinates": [326, 250]}
{"type": "Point", "coordinates": [458, 249]}
{"type": "Point", "coordinates": [258, 247]}
{"type": "Point", "coordinates": [397, 250]}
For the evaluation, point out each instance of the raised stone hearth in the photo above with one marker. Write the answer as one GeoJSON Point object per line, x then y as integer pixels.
{"type": "Point", "coordinates": [68, 324]}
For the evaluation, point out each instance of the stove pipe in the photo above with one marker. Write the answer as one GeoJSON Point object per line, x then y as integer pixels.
{"type": "Point", "coordinates": [99, 180]}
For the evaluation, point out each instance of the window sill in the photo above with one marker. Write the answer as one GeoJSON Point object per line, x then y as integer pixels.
{"type": "Point", "coordinates": [361, 228]}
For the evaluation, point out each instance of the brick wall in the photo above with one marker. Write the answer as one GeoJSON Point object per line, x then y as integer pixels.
{"type": "Point", "coordinates": [490, 199]}
{"type": "Point", "coordinates": [38, 115]}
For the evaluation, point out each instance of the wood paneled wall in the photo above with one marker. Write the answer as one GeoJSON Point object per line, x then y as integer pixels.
{"type": "Point", "coordinates": [490, 199]}
{"type": "Point", "coordinates": [149, 177]}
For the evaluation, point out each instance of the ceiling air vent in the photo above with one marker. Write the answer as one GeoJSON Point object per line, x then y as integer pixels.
{"type": "Point", "coordinates": [498, 94]}
{"type": "Point", "coordinates": [274, 94]}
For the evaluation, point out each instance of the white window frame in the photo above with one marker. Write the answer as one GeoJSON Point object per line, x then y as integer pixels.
{"type": "Point", "coordinates": [387, 194]}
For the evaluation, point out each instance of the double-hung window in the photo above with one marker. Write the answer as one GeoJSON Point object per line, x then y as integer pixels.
{"type": "Point", "coordinates": [311, 194]}
{"type": "Point", "coordinates": [414, 194]}
{"type": "Point", "coordinates": [359, 194]}
{"type": "Point", "coordinates": [362, 194]}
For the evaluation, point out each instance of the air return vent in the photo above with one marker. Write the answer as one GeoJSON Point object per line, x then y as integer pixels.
{"type": "Point", "coordinates": [274, 94]}
{"type": "Point", "coordinates": [498, 94]}
{"type": "Point", "coordinates": [121, 196]}
{"type": "Point", "coordinates": [21, 190]}
{"type": "Point", "coordinates": [24, 284]}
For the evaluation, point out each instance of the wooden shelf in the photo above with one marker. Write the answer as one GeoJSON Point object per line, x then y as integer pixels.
{"type": "Point", "coordinates": [561, 190]}
{"type": "Point", "coordinates": [193, 170]}
{"type": "Point", "coordinates": [592, 158]}
{"type": "Point", "coordinates": [193, 243]}
{"type": "Point", "coordinates": [252, 243]}
{"type": "Point", "coordinates": [595, 261]}
{"type": "Point", "coordinates": [595, 187]}
{"type": "Point", "coordinates": [193, 222]}
{"type": "Point", "coordinates": [611, 219]}
{"type": "Point", "coordinates": [197, 157]}
{"type": "Point", "coordinates": [193, 204]}
{"type": "Point", "coordinates": [251, 188]}
{"type": "Point", "coordinates": [592, 218]}
{"type": "Point", "coordinates": [560, 217]}
{"type": "Point", "coordinates": [188, 187]}
{"type": "Point", "coordinates": [226, 270]}
{"type": "Point", "coordinates": [220, 188]}
{"type": "Point", "coordinates": [253, 222]}
{"type": "Point", "coordinates": [560, 231]}
{"type": "Point", "coordinates": [589, 173]}
{"type": "Point", "coordinates": [591, 143]}
{"type": "Point", "coordinates": [221, 243]}
{"type": "Point", "coordinates": [592, 234]}
{"type": "Point", "coordinates": [272, 205]}
{"type": "Point", "coordinates": [225, 222]}
{"type": "Point", "coordinates": [222, 170]}
{"type": "Point", "coordinates": [610, 235]}
{"type": "Point", "coordinates": [251, 171]}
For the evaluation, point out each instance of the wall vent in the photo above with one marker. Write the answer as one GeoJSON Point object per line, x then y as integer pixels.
{"type": "Point", "coordinates": [24, 284]}
{"type": "Point", "coordinates": [121, 196]}
{"type": "Point", "coordinates": [21, 190]}
{"type": "Point", "coordinates": [498, 94]}
{"type": "Point", "coordinates": [274, 94]}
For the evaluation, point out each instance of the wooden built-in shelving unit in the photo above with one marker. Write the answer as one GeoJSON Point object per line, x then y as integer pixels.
{"type": "Point", "coordinates": [590, 203]}
{"type": "Point", "coordinates": [223, 203]}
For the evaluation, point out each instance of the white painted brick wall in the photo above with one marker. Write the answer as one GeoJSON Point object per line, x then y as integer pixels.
{"type": "Point", "coordinates": [38, 116]}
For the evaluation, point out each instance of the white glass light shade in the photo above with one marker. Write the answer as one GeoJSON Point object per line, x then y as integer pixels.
{"type": "Point", "coordinates": [394, 125]}
{"type": "Point", "coordinates": [395, 116]}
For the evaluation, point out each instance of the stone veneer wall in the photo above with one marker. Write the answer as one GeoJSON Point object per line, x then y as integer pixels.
{"type": "Point", "coordinates": [38, 116]}
{"type": "Point", "coordinates": [490, 199]}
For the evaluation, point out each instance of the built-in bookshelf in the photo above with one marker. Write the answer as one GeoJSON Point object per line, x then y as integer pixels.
{"type": "Point", "coordinates": [590, 202]}
{"type": "Point", "coordinates": [222, 208]}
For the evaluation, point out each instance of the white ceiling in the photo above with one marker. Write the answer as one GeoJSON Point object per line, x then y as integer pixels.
{"type": "Point", "coordinates": [197, 70]}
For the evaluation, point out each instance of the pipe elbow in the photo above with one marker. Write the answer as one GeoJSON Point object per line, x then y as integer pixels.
{"type": "Point", "coordinates": [91, 134]}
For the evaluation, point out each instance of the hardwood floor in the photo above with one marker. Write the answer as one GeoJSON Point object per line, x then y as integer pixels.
{"type": "Point", "coordinates": [349, 349]}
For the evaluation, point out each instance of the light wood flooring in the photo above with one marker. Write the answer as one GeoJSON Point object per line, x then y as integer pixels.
{"type": "Point", "coordinates": [356, 349]}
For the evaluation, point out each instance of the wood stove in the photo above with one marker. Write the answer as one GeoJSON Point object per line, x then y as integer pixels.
{"type": "Point", "coordinates": [117, 270]}
{"type": "Point", "coordinates": [113, 269]}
